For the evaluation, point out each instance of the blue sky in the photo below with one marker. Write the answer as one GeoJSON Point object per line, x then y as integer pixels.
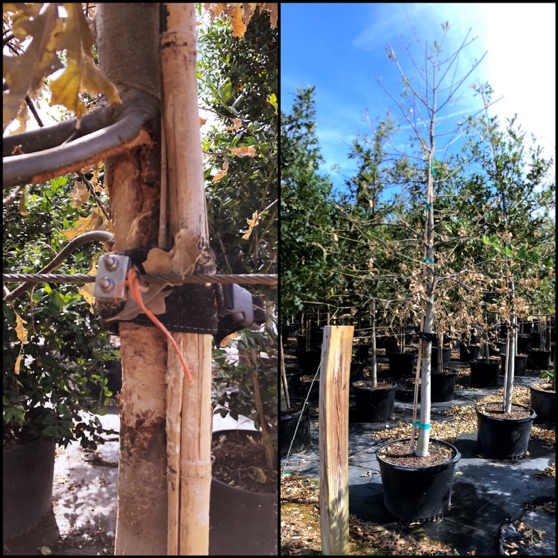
{"type": "Point", "coordinates": [340, 49]}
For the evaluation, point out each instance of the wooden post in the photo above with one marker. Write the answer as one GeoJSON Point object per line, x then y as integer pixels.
{"type": "Point", "coordinates": [189, 415]}
{"type": "Point", "coordinates": [334, 439]}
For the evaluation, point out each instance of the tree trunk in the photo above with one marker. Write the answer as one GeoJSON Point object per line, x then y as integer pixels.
{"type": "Point", "coordinates": [128, 48]}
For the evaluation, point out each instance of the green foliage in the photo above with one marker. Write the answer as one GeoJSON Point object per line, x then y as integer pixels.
{"type": "Point", "coordinates": [66, 348]}
{"type": "Point", "coordinates": [307, 235]}
{"type": "Point", "coordinates": [512, 190]}
{"type": "Point", "coordinates": [238, 82]}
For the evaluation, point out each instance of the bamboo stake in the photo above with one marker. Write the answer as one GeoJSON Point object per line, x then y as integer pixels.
{"type": "Point", "coordinates": [189, 415]}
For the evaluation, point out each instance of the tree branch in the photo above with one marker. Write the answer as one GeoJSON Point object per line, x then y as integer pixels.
{"type": "Point", "coordinates": [127, 132]}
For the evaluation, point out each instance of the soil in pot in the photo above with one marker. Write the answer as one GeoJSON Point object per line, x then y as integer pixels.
{"type": "Point", "coordinates": [417, 488]}
{"type": "Point", "coordinates": [543, 402]}
{"type": "Point", "coordinates": [294, 428]}
{"type": "Point", "coordinates": [520, 365]}
{"type": "Point", "coordinates": [538, 359]}
{"type": "Point", "coordinates": [402, 365]}
{"type": "Point", "coordinates": [503, 435]}
{"type": "Point", "coordinates": [374, 404]}
{"type": "Point", "coordinates": [27, 486]}
{"type": "Point", "coordinates": [357, 371]}
{"type": "Point", "coordinates": [244, 496]}
{"type": "Point", "coordinates": [483, 373]}
{"type": "Point", "coordinates": [469, 352]}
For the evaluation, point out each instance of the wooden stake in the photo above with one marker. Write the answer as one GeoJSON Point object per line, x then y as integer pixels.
{"type": "Point", "coordinates": [189, 415]}
{"type": "Point", "coordinates": [334, 439]}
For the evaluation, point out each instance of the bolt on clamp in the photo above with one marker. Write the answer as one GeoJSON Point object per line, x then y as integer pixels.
{"type": "Point", "coordinates": [110, 278]}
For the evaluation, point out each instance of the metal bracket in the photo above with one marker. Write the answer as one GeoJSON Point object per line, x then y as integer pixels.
{"type": "Point", "coordinates": [239, 304]}
{"type": "Point", "coordinates": [110, 277]}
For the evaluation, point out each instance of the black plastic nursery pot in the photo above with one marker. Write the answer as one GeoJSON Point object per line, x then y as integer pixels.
{"type": "Point", "coordinates": [402, 365]}
{"type": "Point", "coordinates": [524, 342]}
{"type": "Point", "coordinates": [442, 386]}
{"type": "Point", "coordinates": [361, 353]}
{"type": "Point", "coordinates": [502, 438]}
{"type": "Point", "coordinates": [374, 404]}
{"type": "Point", "coordinates": [293, 382]}
{"type": "Point", "coordinates": [483, 373]}
{"type": "Point", "coordinates": [543, 402]}
{"type": "Point", "coordinates": [294, 431]}
{"type": "Point", "coordinates": [237, 514]}
{"type": "Point", "coordinates": [446, 357]}
{"type": "Point", "coordinates": [417, 494]}
{"type": "Point", "coordinates": [27, 486]}
{"type": "Point", "coordinates": [538, 359]}
{"type": "Point", "coordinates": [520, 365]}
{"type": "Point", "coordinates": [469, 352]}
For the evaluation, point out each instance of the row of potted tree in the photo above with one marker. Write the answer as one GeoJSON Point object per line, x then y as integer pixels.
{"type": "Point", "coordinates": [470, 237]}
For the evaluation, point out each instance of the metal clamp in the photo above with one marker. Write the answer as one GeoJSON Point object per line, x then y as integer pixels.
{"type": "Point", "coordinates": [238, 303]}
{"type": "Point", "coordinates": [110, 278]}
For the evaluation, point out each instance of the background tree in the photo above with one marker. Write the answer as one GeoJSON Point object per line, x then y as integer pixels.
{"type": "Point", "coordinates": [511, 188]}
{"type": "Point", "coordinates": [307, 239]}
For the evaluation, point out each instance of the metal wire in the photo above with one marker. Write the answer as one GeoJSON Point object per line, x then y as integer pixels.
{"type": "Point", "coordinates": [253, 279]}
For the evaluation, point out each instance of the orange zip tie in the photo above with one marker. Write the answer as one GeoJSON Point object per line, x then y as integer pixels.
{"type": "Point", "coordinates": [133, 284]}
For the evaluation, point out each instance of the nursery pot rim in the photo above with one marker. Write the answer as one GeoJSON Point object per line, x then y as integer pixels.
{"type": "Point", "coordinates": [394, 385]}
{"type": "Point", "coordinates": [537, 388]}
{"type": "Point", "coordinates": [430, 468]}
{"type": "Point", "coordinates": [532, 413]}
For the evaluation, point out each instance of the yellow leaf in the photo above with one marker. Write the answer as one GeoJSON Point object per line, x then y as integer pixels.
{"type": "Point", "coordinates": [223, 172]}
{"type": "Point", "coordinates": [238, 27]}
{"type": "Point", "coordinates": [80, 194]}
{"type": "Point", "coordinates": [272, 100]}
{"type": "Point", "coordinates": [86, 224]}
{"type": "Point", "coordinates": [87, 290]}
{"type": "Point", "coordinates": [45, 550]}
{"type": "Point", "coordinates": [225, 342]}
{"type": "Point", "coordinates": [249, 151]}
{"type": "Point", "coordinates": [21, 332]}
{"type": "Point", "coordinates": [18, 362]}
{"type": "Point", "coordinates": [237, 123]}
{"type": "Point", "coordinates": [202, 121]}
{"type": "Point", "coordinates": [22, 209]}
{"type": "Point", "coordinates": [251, 224]}
{"type": "Point", "coordinates": [24, 74]}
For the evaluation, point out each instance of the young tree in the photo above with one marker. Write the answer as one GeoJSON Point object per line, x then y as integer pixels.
{"type": "Point", "coordinates": [513, 192]}
{"type": "Point", "coordinates": [424, 100]}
